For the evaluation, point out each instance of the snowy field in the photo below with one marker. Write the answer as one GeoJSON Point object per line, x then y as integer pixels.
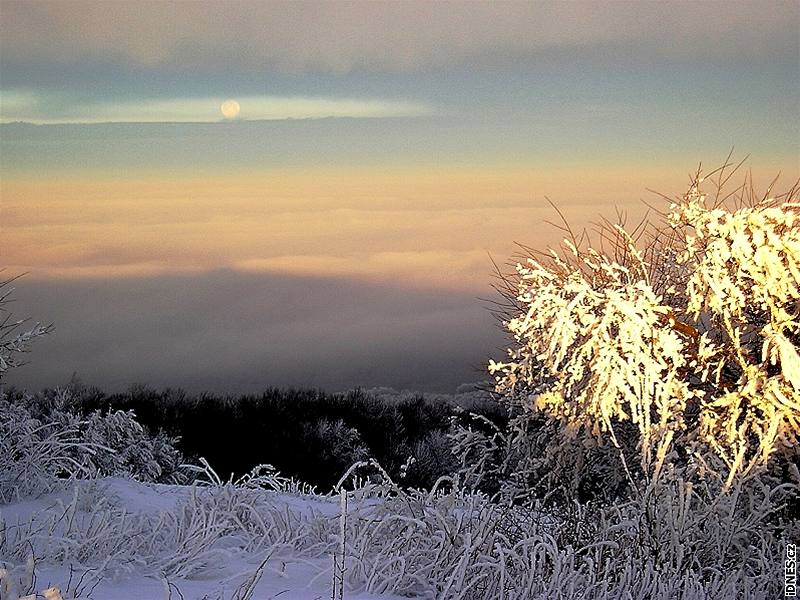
{"type": "Point", "coordinates": [67, 529]}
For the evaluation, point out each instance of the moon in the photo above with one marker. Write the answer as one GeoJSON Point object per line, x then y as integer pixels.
{"type": "Point", "coordinates": [230, 109]}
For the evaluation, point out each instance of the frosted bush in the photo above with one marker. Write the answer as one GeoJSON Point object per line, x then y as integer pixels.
{"type": "Point", "coordinates": [35, 455]}
{"type": "Point", "coordinates": [339, 444]}
{"type": "Point", "coordinates": [699, 356]}
{"type": "Point", "coordinates": [38, 453]}
{"type": "Point", "coordinates": [134, 452]}
{"type": "Point", "coordinates": [665, 375]}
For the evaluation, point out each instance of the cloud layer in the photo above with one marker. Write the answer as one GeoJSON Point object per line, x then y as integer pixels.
{"type": "Point", "coordinates": [343, 36]}
{"type": "Point", "coordinates": [433, 227]}
{"type": "Point", "coordinates": [231, 332]}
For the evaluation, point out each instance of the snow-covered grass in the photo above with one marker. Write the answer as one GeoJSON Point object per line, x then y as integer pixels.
{"type": "Point", "coordinates": [106, 537]}
{"type": "Point", "coordinates": [117, 538]}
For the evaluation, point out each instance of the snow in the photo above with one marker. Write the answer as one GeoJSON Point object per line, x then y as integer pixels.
{"type": "Point", "coordinates": [286, 575]}
{"type": "Point", "coordinates": [287, 581]}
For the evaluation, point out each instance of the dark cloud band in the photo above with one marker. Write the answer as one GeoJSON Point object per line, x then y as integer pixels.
{"type": "Point", "coordinates": [232, 332]}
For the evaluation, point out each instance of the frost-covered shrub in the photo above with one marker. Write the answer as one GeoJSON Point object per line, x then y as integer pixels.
{"type": "Point", "coordinates": [526, 459]}
{"type": "Point", "coordinates": [688, 346]}
{"type": "Point", "coordinates": [660, 378]}
{"type": "Point", "coordinates": [36, 452]}
{"type": "Point", "coordinates": [338, 445]}
{"type": "Point", "coordinates": [134, 452]}
{"type": "Point", "coordinates": [433, 456]}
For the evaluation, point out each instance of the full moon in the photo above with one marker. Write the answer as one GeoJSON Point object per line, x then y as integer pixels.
{"type": "Point", "coordinates": [230, 109]}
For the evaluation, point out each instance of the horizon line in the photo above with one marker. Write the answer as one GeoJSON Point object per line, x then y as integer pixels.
{"type": "Point", "coordinates": [210, 122]}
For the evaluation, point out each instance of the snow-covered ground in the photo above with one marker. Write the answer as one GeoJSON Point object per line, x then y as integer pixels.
{"type": "Point", "coordinates": [65, 532]}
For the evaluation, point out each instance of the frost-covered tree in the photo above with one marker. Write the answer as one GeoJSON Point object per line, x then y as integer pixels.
{"type": "Point", "coordinates": [676, 340]}
{"type": "Point", "coordinates": [15, 338]}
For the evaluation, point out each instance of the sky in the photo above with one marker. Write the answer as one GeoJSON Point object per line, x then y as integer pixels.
{"type": "Point", "coordinates": [338, 227]}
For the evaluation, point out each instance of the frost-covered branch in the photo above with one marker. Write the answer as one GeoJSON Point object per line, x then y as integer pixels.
{"type": "Point", "coordinates": [15, 338]}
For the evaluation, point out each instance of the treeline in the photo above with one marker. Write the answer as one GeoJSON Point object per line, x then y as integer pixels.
{"type": "Point", "coordinates": [311, 435]}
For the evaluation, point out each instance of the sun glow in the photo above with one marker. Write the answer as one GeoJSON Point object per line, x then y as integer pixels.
{"type": "Point", "coordinates": [230, 109]}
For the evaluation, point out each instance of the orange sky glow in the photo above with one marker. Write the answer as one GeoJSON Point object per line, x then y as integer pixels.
{"type": "Point", "coordinates": [419, 227]}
